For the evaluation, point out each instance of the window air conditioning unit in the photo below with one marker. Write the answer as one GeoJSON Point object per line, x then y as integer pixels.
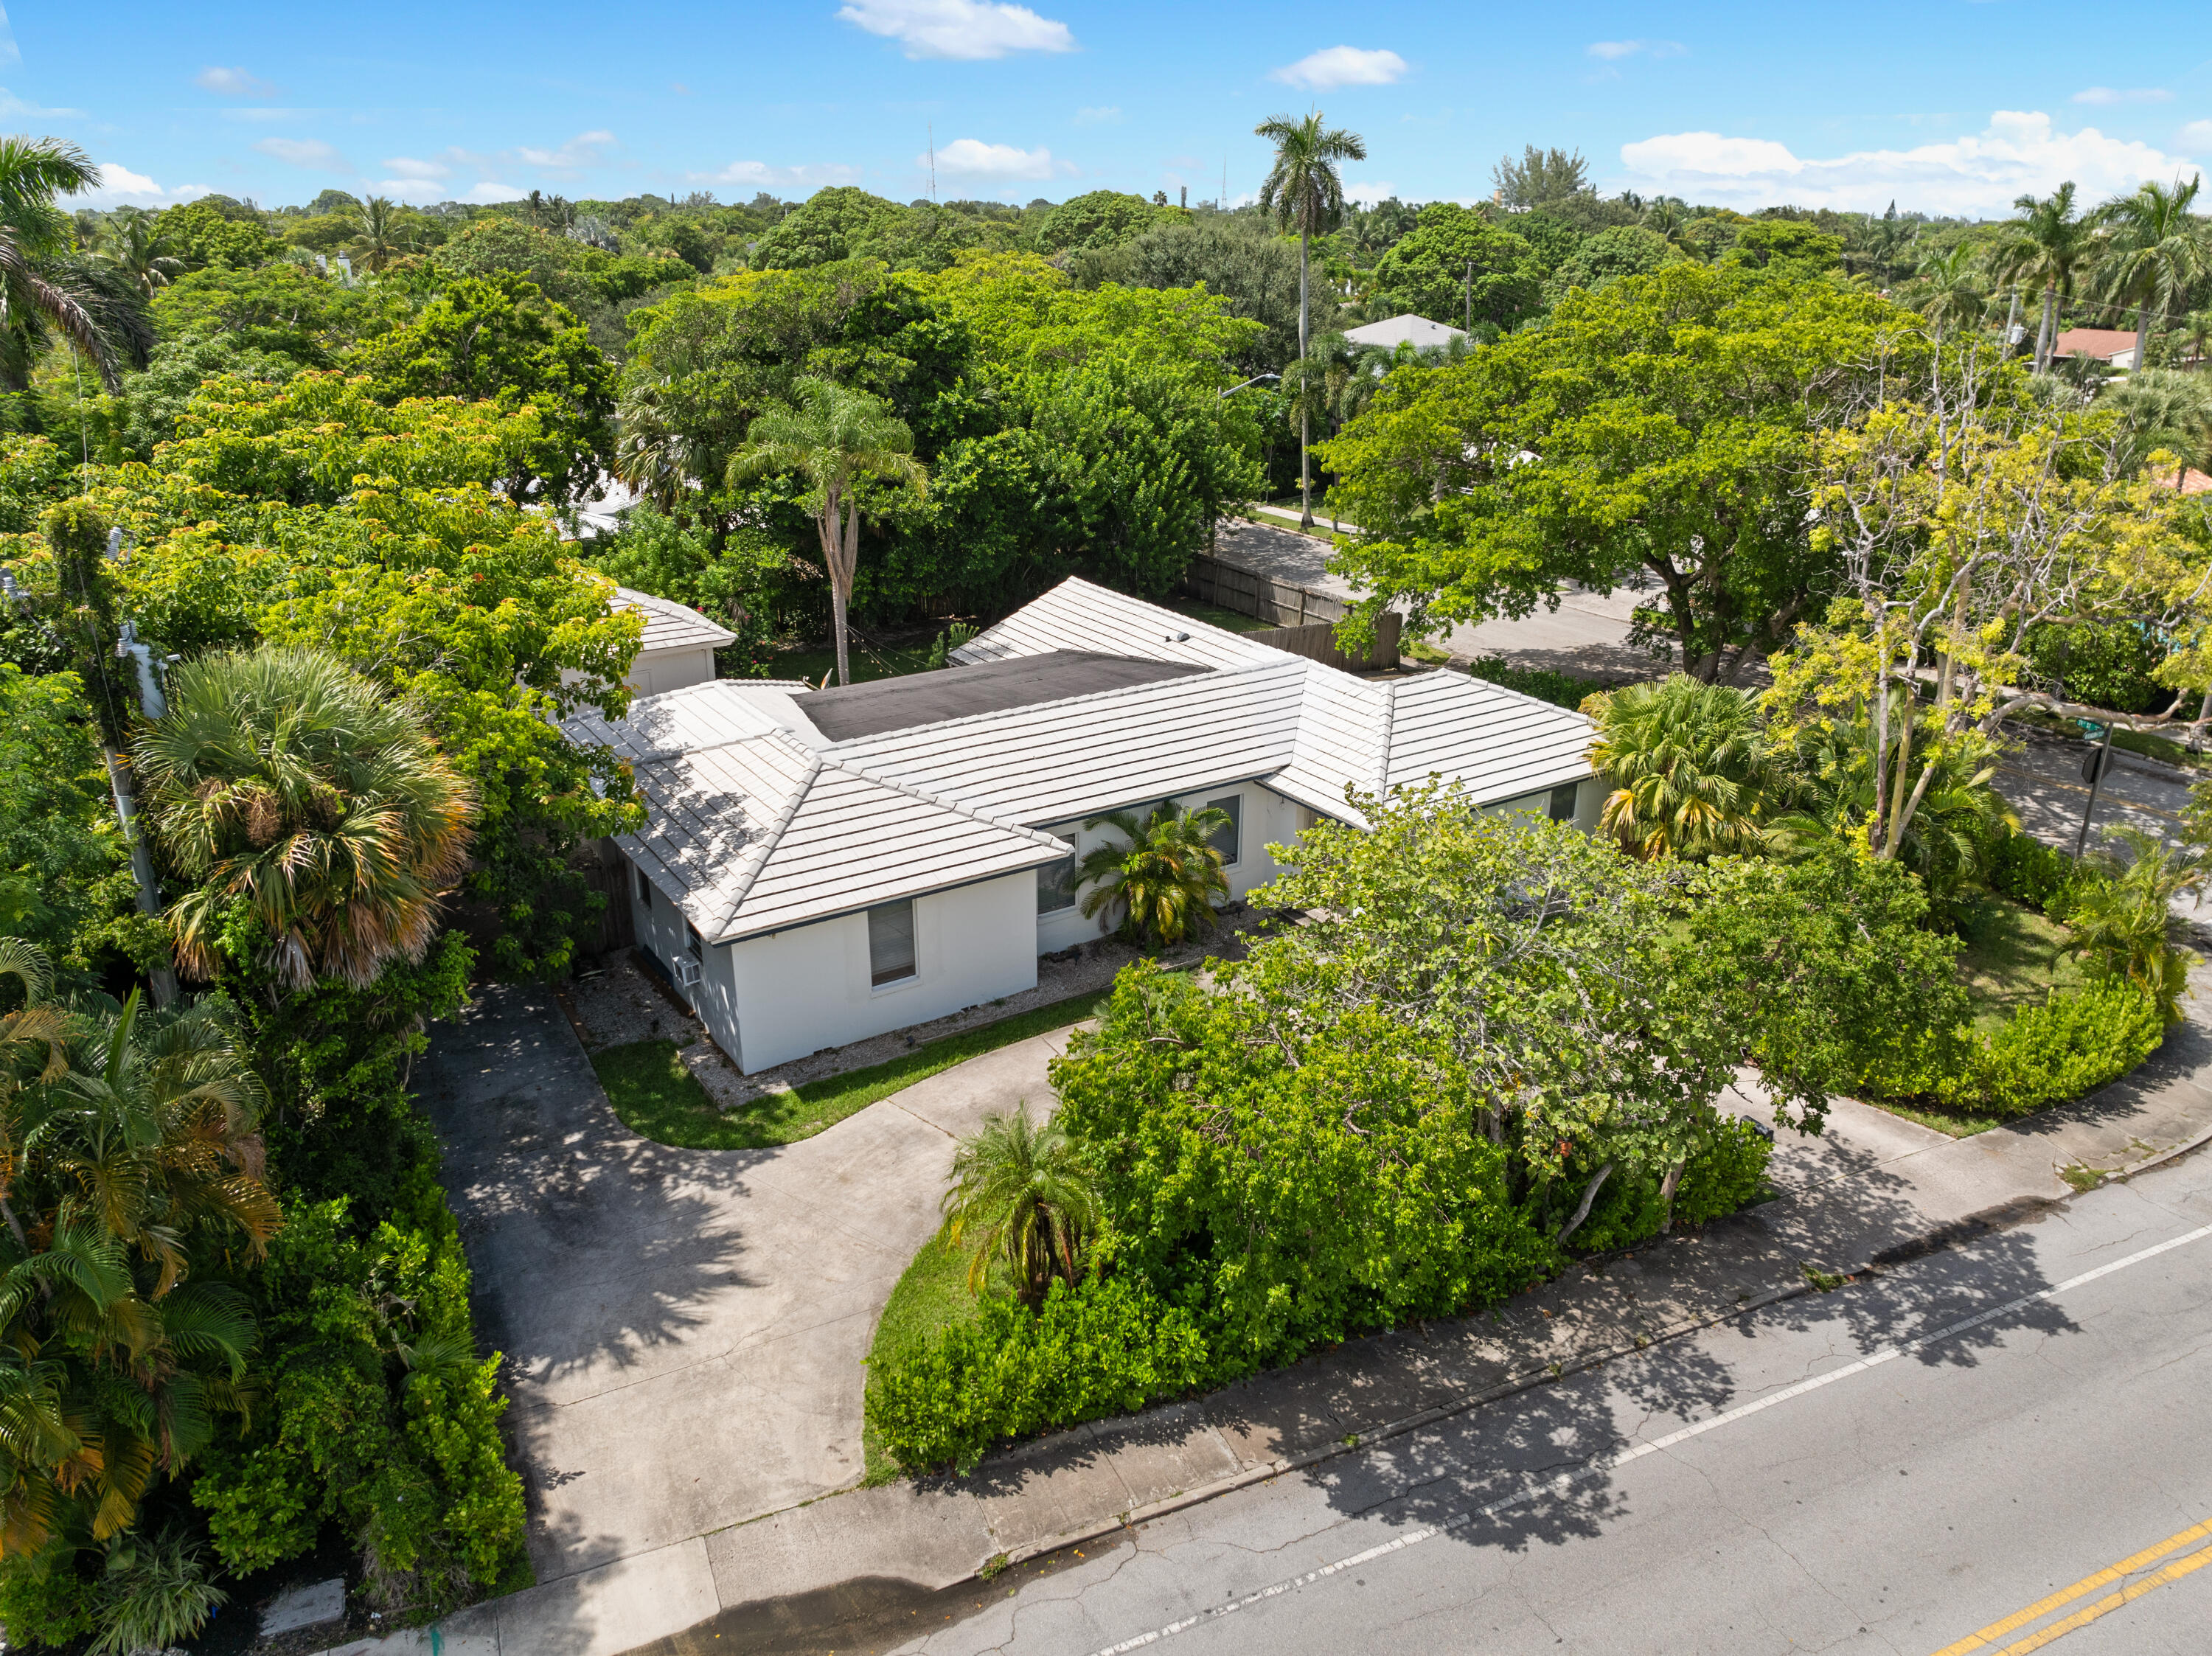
{"type": "Point", "coordinates": [687, 972]}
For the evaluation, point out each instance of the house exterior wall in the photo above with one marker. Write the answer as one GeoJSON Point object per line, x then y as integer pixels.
{"type": "Point", "coordinates": [1268, 819]}
{"type": "Point", "coordinates": [796, 991]}
{"type": "Point", "coordinates": [656, 671]}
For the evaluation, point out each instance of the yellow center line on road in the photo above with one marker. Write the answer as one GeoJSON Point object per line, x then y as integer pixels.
{"type": "Point", "coordinates": [1987, 1638]}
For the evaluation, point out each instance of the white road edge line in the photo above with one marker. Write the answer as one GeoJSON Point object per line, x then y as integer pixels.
{"type": "Point", "coordinates": [1603, 1463]}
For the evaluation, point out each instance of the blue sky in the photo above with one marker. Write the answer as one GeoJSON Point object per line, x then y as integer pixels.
{"type": "Point", "coordinates": [1945, 105]}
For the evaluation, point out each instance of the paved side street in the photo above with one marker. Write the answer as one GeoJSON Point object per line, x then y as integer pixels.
{"type": "Point", "coordinates": [733, 1302]}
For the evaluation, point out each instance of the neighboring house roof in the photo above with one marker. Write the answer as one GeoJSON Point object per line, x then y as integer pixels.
{"type": "Point", "coordinates": [1417, 330]}
{"type": "Point", "coordinates": [899, 704]}
{"type": "Point", "coordinates": [672, 625]}
{"type": "Point", "coordinates": [2103, 344]}
{"type": "Point", "coordinates": [763, 817]}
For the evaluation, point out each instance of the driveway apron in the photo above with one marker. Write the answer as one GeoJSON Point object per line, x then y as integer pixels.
{"type": "Point", "coordinates": [684, 1330]}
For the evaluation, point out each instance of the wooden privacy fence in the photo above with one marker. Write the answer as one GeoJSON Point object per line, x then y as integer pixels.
{"type": "Point", "coordinates": [1305, 620]}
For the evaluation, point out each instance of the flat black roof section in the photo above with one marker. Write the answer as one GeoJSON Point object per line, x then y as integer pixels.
{"type": "Point", "coordinates": [900, 704]}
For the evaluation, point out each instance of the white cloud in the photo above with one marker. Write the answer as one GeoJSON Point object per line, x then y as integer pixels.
{"type": "Point", "coordinates": [2137, 94]}
{"type": "Point", "coordinates": [1367, 192]}
{"type": "Point", "coordinates": [119, 187]}
{"type": "Point", "coordinates": [1335, 66]}
{"type": "Point", "coordinates": [264, 116]}
{"type": "Point", "coordinates": [972, 158]}
{"type": "Point", "coordinates": [1102, 115]}
{"type": "Point", "coordinates": [486, 193]}
{"type": "Point", "coordinates": [2197, 132]}
{"type": "Point", "coordinates": [17, 109]}
{"type": "Point", "coordinates": [759, 175]}
{"type": "Point", "coordinates": [969, 30]}
{"type": "Point", "coordinates": [9, 55]}
{"type": "Point", "coordinates": [2017, 153]}
{"type": "Point", "coordinates": [404, 166]}
{"type": "Point", "coordinates": [232, 83]}
{"type": "Point", "coordinates": [1614, 51]}
{"type": "Point", "coordinates": [585, 150]}
{"type": "Point", "coordinates": [304, 152]}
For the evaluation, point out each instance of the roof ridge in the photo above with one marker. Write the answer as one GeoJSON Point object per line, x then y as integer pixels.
{"type": "Point", "coordinates": [1389, 730]}
{"type": "Point", "coordinates": [748, 873]}
{"type": "Point", "coordinates": [1205, 673]}
{"type": "Point", "coordinates": [1174, 619]}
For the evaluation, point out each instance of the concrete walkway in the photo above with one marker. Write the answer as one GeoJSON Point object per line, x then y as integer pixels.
{"type": "Point", "coordinates": [712, 1281]}
{"type": "Point", "coordinates": [683, 1329]}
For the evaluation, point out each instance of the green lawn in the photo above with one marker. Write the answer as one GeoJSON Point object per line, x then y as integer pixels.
{"type": "Point", "coordinates": [2011, 960]}
{"type": "Point", "coordinates": [657, 1098]}
{"type": "Point", "coordinates": [866, 665]}
{"type": "Point", "coordinates": [932, 1295]}
{"type": "Point", "coordinates": [1214, 616]}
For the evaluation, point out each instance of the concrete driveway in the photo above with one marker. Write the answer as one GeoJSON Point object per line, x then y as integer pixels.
{"type": "Point", "coordinates": [683, 1329]}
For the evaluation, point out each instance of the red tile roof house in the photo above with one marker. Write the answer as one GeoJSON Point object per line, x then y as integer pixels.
{"type": "Point", "coordinates": [2115, 346]}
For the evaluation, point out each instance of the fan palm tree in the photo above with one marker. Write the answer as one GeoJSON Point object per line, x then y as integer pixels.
{"type": "Point", "coordinates": [39, 296]}
{"type": "Point", "coordinates": [1303, 191]}
{"type": "Point", "coordinates": [1024, 1194]}
{"type": "Point", "coordinates": [2124, 922]}
{"type": "Point", "coordinates": [2157, 250]}
{"type": "Point", "coordinates": [1164, 876]}
{"type": "Point", "coordinates": [282, 779]}
{"type": "Point", "coordinates": [651, 456]}
{"type": "Point", "coordinates": [1951, 295]}
{"type": "Point", "coordinates": [378, 240]}
{"type": "Point", "coordinates": [2163, 408]}
{"type": "Point", "coordinates": [136, 249]}
{"type": "Point", "coordinates": [2050, 243]}
{"type": "Point", "coordinates": [1689, 764]}
{"type": "Point", "coordinates": [836, 439]}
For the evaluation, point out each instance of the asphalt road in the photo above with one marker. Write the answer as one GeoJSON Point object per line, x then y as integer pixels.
{"type": "Point", "coordinates": [1896, 1465]}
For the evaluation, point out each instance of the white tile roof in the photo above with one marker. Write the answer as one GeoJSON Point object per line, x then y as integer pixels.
{"type": "Point", "coordinates": [669, 625]}
{"type": "Point", "coordinates": [759, 822]}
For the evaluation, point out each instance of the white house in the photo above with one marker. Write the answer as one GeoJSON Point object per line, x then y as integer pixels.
{"type": "Point", "coordinates": [679, 644]}
{"type": "Point", "coordinates": [1418, 331]}
{"type": "Point", "coordinates": [824, 866]}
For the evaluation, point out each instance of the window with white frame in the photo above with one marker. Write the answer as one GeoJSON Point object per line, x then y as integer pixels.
{"type": "Point", "coordinates": [1228, 841]}
{"type": "Point", "coordinates": [890, 943]}
{"type": "Point", "coordinates": [694, 943]}
{"type": "Point", "coordinates": [1057, 881]}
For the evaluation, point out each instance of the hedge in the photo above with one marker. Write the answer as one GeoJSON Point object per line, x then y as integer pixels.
{"type": "Point", "coordinates": [2074, 1042]}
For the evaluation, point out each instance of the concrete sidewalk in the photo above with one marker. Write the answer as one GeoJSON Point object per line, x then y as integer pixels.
{"type": "Point", "coordinates": [1874, 1189]}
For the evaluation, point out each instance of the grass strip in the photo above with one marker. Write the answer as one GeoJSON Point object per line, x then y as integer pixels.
{"type": "Point", "coordinates": [657, 1099]}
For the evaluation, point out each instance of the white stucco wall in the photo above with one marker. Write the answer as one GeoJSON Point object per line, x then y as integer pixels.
{"type": "Point", "coordinates": [797, 992]}
{"type": "Point", "coordinates": [1269, 819]}
{"type": "Point", "coordinates": [656, 671]}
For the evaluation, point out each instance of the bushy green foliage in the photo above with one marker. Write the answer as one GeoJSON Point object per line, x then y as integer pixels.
{"type": "Point", "coordinates": [1728, 1174]}
{"type": "Point", "coordinates": [2025, 869]}
{"type": "Point", "coordinates": [1099, 1348]}
{"type": "Point", "coordinates": [1427, 271]}
{"type": "Point", "coordinates": [1101, 219]}
{"type": "Point", "coordinates": [1545, 683]}
{"type": "Point", "coordinates": [825, 229]}
{"type": "Point", "coordinates": [2068, 1046]}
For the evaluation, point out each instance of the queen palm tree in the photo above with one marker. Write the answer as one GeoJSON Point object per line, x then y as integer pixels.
{"type": "Point", "coordinates": [282, 779]}
{"type": "Point", "coordinates": [378, 240]}
{"type": "Point", "coordinates": [136, 249]}
{"type": "Point", "coordinates": [836, 439]}
{"type": "Point", "coordinates": [1164, 876]}
{"type": "Point", "coordinates": [2157, 250]}
{"type": "Point", "coordinates": [38, 295]}
{"type": "Point", "coordinates": [1302, 192]}
{"type": "Point", "coordinates": [1024, 1194]}
{"type": "Point", "coordinates": [1951, 294]}
{"type": "Point", "coordinates": [2050, 243]}
{"type": "Point", "coordinates": [1689, 764]}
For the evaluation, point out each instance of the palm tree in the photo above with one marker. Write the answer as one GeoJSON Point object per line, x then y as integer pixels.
{"type": "Point", "coordinates": [1952, 295]}
{"type": "Point", "coordinates": [136, 250]}
{"type": "Point", "coordinates": [2198, 324]}
{"type": "Point", "coordinates": [38, 294]}
{"type": "Point", "coordinates": [2050, 243]}
{"type": "Point", "coordinates": [282, 780]}
{"type": "Point", "coordinates": [1026, 1196]}
{"type": "Point", "coordinates": [1689, 764]}
{"type": "Point", "coordinates": [2159, 248]}
{"type": "Point", "coordinates": [1303, 192]}
{"type": "Point", "coordinates": [379, 237]}
{"type": "Point", "coordinates": [651, 456]}
{"type": "Point", "coordinates": [2163, 408]}
{"type": "Point", "coordinates": [835, 438]}
{"type": "Point", "coordinates": [2124, 922]}
{"type": "Point", "coordinates": [1164, 877]}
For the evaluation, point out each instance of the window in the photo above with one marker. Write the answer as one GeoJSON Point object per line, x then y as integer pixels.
{"type": "Point", "coordinates": [694, 943]}
{"type": "Point", "coordinates": [1228, 840]}
{"type": "Point", "coordinates": [644, 890]}
{"type": "Point", "coordinates": [1056, 880]}
{"type": "Point", "coordinates": [1563, 802]}
{"type": "Point", "coordinates": [890, 943]}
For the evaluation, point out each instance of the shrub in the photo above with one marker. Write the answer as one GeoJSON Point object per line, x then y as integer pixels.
{"type": "Point", "coordinates": [1730, 1173]}
{"type": "Point", "coordinates": [2071, 1045]}
{"type": "Point", "coordinates": [1560, 689]}
{"type": "Point", "coordinates": [1099, 1348]}
{"type": "Point", "coordinates": [2028, 871]}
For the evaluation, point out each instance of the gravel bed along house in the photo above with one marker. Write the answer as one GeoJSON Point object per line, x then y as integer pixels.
{"type": "Point", "coordinates": [616, 1001]}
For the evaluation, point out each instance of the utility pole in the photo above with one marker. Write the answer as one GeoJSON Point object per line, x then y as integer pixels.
{"type": "Point", "coordinates": [76, 536]}
{"type": "Point", "coordinates": [1466, 321]}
